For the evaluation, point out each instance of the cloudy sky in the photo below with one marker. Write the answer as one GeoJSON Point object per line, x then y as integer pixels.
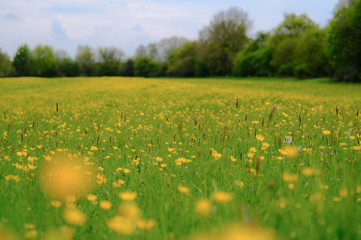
{"type": "Point", "coordinates": [128, 23]}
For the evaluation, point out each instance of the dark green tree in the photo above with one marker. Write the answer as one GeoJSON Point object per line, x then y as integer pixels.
{"type": "Point", "coordinates": [5, 65]}
{"type": "Point", "coordinates": [128, 68]}
{"type": "Point", "coordinates": [147, 67]}
{"type": "Point", "coordinates": [344, 42]}
{"type": "Point", "coordinates": [22, 61]}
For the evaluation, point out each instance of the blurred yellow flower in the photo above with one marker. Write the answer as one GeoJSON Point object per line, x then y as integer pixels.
{"type": "Point", "coordinates": [121, 225]}
{"type": "Point", "coordinates": [128, 196]}
{"type": "Point", "coordinates": [66, 176]}
{"type": "Point", "coordinates": [106, 205]}
{"type": "Point", "coordinates": [204, 207]}
{"type": "Point", "coordinates": [183, 189]}
{"type": "Point", "coordinates": [145, 225]}
{"type": "Point", "coordinates": [74, 216]}
{"type": "Point", "coordinates": [222, 197]}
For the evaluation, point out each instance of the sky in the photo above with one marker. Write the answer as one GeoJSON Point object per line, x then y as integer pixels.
{"type": "Point", "coordinates": [126, 24]}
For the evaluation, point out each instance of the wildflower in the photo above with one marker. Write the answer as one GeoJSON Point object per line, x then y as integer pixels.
{"type": "Point", "coordinates": [289, 151]}
{"type": "Point", "coordinates": [64, 176]}
{"type": "Point", "coordinates": [129, 210]}
{"type": "Point", "coordinates": [56, 204]}
{"type": "Point", "coordinates": [145, 225]}
{"type": "Point", "coordinates": [326, 132]}
{"type": "Point", "coordinates": [128, 196]}
{"type": "Point", "coordinates": [74, 216]}
{"type": "Point", "coordinates": [222, 197]}
{"type": "Point", "coordinates": [93, 148]}
{"type": "Point", "coordinates": [233, 159]}
{"type": "Point", "coordinates": [91, 197]}
{"type": "Point", "coordinates": [121, 225]}
{"type": "Point", "coordinates": [260, 138]}
{"type": "Point", "coordinates": [309, 172]}
{"type": "Point", "coordinates": [183, 189]}
{"type": "Point", "coordinates": [204, 207]}
{"type": "Point", "coordinates": [106, 205]}
{"type": "Point", "coordinates": [290, 178]}
{"type": "Point", "coordinates": [215, 154]}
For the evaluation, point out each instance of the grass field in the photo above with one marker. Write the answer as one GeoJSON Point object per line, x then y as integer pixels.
{"type": "Point", "coordinates": [132, 158]}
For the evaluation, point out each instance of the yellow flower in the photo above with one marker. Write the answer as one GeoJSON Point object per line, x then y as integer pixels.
{"type": "Point", "coordinates": [183, 189]}
{"type": "Point", "coordinates": [31, 234]}
{"type": "Point", "coordinates": [204, 207]}
{"type": "Point", "coordinates": [233, 159]}
{"type": "Point", "coordinates": [260, 138]}
{"type": "Point", "coordinates": [326, 132]}
{"type": "Point", "coordinates": [121, 225]}
{"type": "Point", "coordinates": [290, 178]}
{"type": "Point", "coordinates": [129, 210]}
{"type": "Point", "coordinates": [222, 197]}
{"type": "Point", "coordinates": [145, 225]}
{"type": "Point", "coordinates": [128, 196]}
{"type": "Point", "coordinates": [309, 172]}
{"type": "Point", "coordinates": [56, 204]}
{"type": "Point", "coordinates": [289, 151]}
{"type": "Point", "coordinates": [74, 216]}
{"type": "Point", "coordinates": [159, 159]}
{"type": "Point", "coordinates": [65, 176]}
{"type": "Point", "coordinates": [93, 148]}
{"type": "Point", "coordinates": [92, 197]}
{"type": "Point", "coordinates": [106, 205]}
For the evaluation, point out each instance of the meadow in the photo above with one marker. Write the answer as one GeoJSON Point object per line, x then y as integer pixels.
{"type": "Point", "coordinates": [137, 158]}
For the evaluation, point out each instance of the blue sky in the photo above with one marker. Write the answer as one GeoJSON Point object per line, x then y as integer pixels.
{"type": "Point", "coordinates": [128, 23]}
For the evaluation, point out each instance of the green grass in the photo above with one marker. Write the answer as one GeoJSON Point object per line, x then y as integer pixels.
{"type": "Point", "coordinates": [131, 119]}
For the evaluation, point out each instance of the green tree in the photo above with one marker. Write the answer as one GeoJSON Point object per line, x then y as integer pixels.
{"type": "Point", "coordinates": [285, 39]}
{"type": "Point", "coordinates": [146, 67]}
{"type": "Point", "coordinates": [311, 59]}
{"type": "Point", "coordinates": [344, 42]}
{"type": "Point", "coordinates": [43, 61]}
{"type": "Point", "coordinates": [128, 68]}
{"type": "Point", "coordinates": [65, 66]}
{"type": "Point", "coordinates": [110, 60]}
{"type": "Point", "coordinates": [22, 61]}
{"type": "Point", "coordinates": [183, 62]}
{"type": "Point", "coordinates": [5, 65]}
{"type": "Point", "coordinates": [255, 59]}
{"type": "Point", "coordinates": [225, 36]}
{"type": "Point", "coordinates": [85, 57]}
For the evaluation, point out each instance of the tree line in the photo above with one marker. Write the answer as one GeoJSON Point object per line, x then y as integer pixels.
{"type": "Point", "coordinates": [297, 47]}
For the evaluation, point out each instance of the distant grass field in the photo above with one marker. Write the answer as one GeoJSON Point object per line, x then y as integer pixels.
{"type": "Point", "coordinates": [134, 158]}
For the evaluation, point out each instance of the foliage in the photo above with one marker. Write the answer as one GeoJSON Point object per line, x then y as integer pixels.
{"type": "Point", "coordinates": [255, 59]}
{"type": "Point", "coordinates": [5, 65]}
{"type": "Point", "coordinates": [22, 61]}
{"type": "Point", "coordinates": [344, 45]}
{"type": "Point", "coordinates": [311, 60]}
{"type": "Point", "coordinates": [225, 36]}
{"type": "Point", "coordinates": [43, 61]}
{"type": "Point", "coordinates": [110, 60]}
{"type": "Point", "coordinates": [146, 67]}
{"type": "Point", "coordinates": [285, 39]}
{"type": "Point", "coordinates": [85, 57]}
{"type": "Point", "coordinates": [183, 61]}
{"type": "Point", "coordinates": [128, 68]}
